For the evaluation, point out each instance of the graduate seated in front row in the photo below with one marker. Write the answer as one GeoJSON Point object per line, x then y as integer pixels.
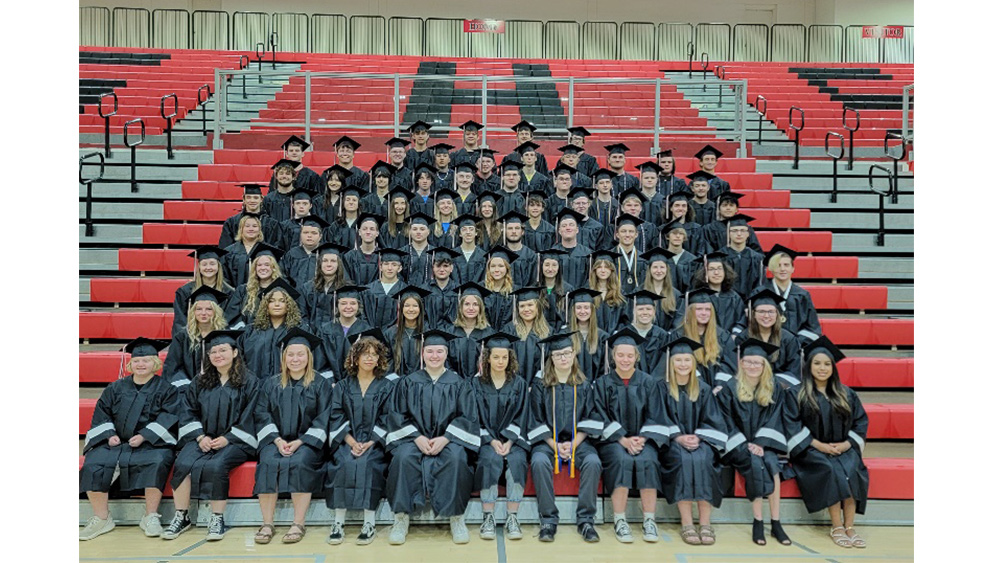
{"type": "Point", "coordinates": [629, 457]}
{"type": "Point", "coordinates": [216, 435]}
{"type": "Point", "coordinates": [502, 403]}
{"type": "Point", "coordinates": [359, 410]}
{"type": "Point", "coordinates": [562, 419]}
{"type": "Point", "coordinates": [751, 405]}
{"type": "Point", "coordinates": [686, 425]}
{"type": "Point", "coordinates": [827, 426]}
{"type": "Point", "coordinates": [131, 439]}
{"type": "Point", "coordinates": [291, 418]}
{"type": "Point", "coordinates": [433, 430]}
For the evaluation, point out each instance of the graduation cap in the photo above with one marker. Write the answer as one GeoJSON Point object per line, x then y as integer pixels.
{"type": "Point", "coordinates": [680, 195]}
{"type": "Point", "coordinates": [606, 255]}
{"type": "Point", "coordinates": [251, 189]}
{"type": "Point", "coordinates": [739, 220]}
{"type": "Point", "coordinates": [345, 140]}
{"type": "Point", "coordinates": [466, 220]}
{"type": "Point", "coordinates": [557, 341]}
{"type": "Point", "coordinates": [356, 191]}
{"type": "Point", "coordinates": [331, 248]}
{"type": "Point", "coordinates": [471, 125]}
{"type": "Point", "coordinates": [472, 288]}
{"type": "Point", "coordinates": [682, 345]}
{"type": "Point", "coordinates": [570, 149]}
{"type": "Point", "coordinates": [632, 192]}
{"type": "Point", "coordinates": [421, 218]}
{"type": "Point", "coordinates": [778, 249]}
{"type": "Point", "coordinates": [396, 142]}
{"type": "Point", "coordinates": [563, 168]}
{"type": "Point", "coordinates": [708, 149]}
{"type": "Point", "coordinates": [754, 347]}
{"type": "Point", "coordinates": [412, 291]}
{"type": "Point", "coordinates": [390, 255]}
{"type": "Point", "coordinates": [369, 333]}
{"type": "Point", "coordinates": [264, 249]}
{"type": "Point", "coordinates": [424, 168]}
{"type": "Point", "coordinates": [568, 212]}
{"type": "Point", "coordinates": [822, 345]}
{"type": "Point", "coordinates": [730, 196]}
{"type": "Point", "coordinates": [657, 255]}
{"type": "Point", "coordinates": [313, 221]}
{"type": "Point", "coordinates": [644, 297]}
{"type": "Point", "coordinates": [714, 256]}
{"type": "Point", "coordinates": [528, 293]}
{"type": "Point", "coordinates": [555, 253]}
{"type": "Point", "coordinates": [418, 126]}
{"type": "Point", "coordinates": [208, 251]}
{"type": "Point", "coordinates": [443, 253]}
{"type": "Point", "coordinates": [649, 166]}
{"type": "Point", "coordinates": [579, 131]}
{"type": "Point", "coordinates": [528, 146]}
{"type": "Point", "coordinates": [523, 124]}
{"type": "Point", "coordinates": [339, 169]}
{"type": "Point", "coordinates": [445, 193]}
{"type": "Point", "coordinates": [514, 216]}
{"type": "Point", "coordinates": [538, 195]}
{"type": "Point", "coordinates": [487, 195]}
{"type": "Point", "coordinates": [665, 152]}
{"type": "Point", "coordinates": [382, 168]}
{"type": "Point", "coordinates": [673, 224]}
{"type": "Point", "coordinates": [627, 219]}
{"type": "Point", "coordinates": [700, 175]}
{"type": "Point", "coordinates": [511, 164]}
{"type": "Point", "coordinates": [142, 347]}
{"type": "Point", "coordinates": [298, 336]}
{"type": "Point", "coordinates": [283, 285]}
{"type": "Point", "coordinates": [501, 252]}
{"type": "Point", "coordinates": [582, 295]}
{"type": "Point", "coordinates": [483, 151]}
{"type": "Point", "coordinates": [207, 293]}
{"type": "Point", "coordinates": [700, 295]}
{"type": "Point", "coordinates": [370, 217]}
{"type": "Point", "coordinates": [617, 148]}
{"type": "Point", "coordinates": [295, 140]}
{"type": "Point", "coordinates": [500, 340]}
{"type": "Point", "coordinates": [285, 162]}
{"type": "Point", "coordinates": [626, 336]}
{"type": "Point", "coordinates": [604, 174]}
{"type": "Point", "coordinates": [400, 191]}
{"type": "Point", "coordinates": [217, 337]}
{"type": "Point", "coordinates": [435, 338]}
{"type": "Point", "coordinates": [350, 292]}
{"type": "Point", "coordinates": [465, 166]}
{"type": "Point", "coordinates": [581, 191]}
{"type": "Point", "coordinates": [765, 296]}
{"type": "Point", "coordinates": [441, 148]}
{"type": "Point", "coordinates": [299, 194]}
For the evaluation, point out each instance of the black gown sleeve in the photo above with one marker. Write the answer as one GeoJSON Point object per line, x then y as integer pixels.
{"type": "Point", "coordinates": [267, 430]}
{"type": "Point", "coordinates": [244, 428]}
{"type": "Point", "coordinates": [658, 426]}
{"type": "Point", "coordinates": [164, 417]}
{"type": "Point", "coordinates": [711, 428]}
{"type": "Point", "coordinates": [102, 423]}
{"type": "Point", "coordinates": [464, 429]}
{"type": "Point", "coordinates": [315, 436]}
{"type": "Point", "coordinates": [190, 416]}
{"type": "Point", "coordinates": [859, 422]}
{"type": "Point", "coordinates": [799, 436]}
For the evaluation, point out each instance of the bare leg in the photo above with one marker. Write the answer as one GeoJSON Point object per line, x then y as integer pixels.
{"type": "Point", "coordinates": [684, 507]}
{"type": "Point", "coordinates": [849, 507]}
{"type": "Point", "coordinates": [835, 518]}
{"type": "Point", "coordinates": [704, 513]}
{"type": "Point", "coordinates": [488, 506]}
{"type": "Point", "coordinates": [182, 494]}
{"type": "Point", "coordinates": [775, 499]}
{"type": "Point", "coordinates": [512, 507]}
{"type": "Point", "coordinates": [758, 511]}
{"type": "Point", "coordinates": [647, 498]}
{"type": "Point", "coordinates": [218, 506]}
{"type": "Point", "coordinates": [619, 497]}
{"type": "Point", "coordinates": [99, 503]}
{"type": "Point", "coordinates": [153, 497]}
{"type": "Point", "coordinates": [267, 503]}
{"type": "Point", "coordinates": [300, 503]}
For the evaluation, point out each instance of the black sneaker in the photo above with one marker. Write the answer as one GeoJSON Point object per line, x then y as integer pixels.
{"type": "Point", "coordinates": [367, 534]}
{"type": "Point", "coordinates": [336, 534]}
{"type": "Point", "coordinates": [216, 528]}
{"type": "Point", "coordinates": [588, 532]}
{"type": "Point", "coordinates": [547, 533]}
{"type": "Point", "coordinates": [177, 526]}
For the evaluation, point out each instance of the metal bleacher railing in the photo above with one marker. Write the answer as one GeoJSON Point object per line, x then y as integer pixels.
{"type": "Point", "coordinates": [734, 90]}
{"type": "Point", "coordinates": [442, 37]}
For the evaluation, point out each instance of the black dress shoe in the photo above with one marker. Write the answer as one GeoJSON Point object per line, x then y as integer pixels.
{"type": "Point", "coordinates": [547, 533]}
{"type": "Point", "coordinates": [588, 532]}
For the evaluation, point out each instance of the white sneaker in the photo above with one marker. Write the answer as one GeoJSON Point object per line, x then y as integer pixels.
{"type": "Point", "coordinates": [650, 532]}
{"type": "Point", "coordinates": [488, 530]}
{"type": "Point", "coordinates": [150, 524]}
{"type": "Point", "coordinates": [512, 528]}
{"type": "Point", "coordinates": [623, 532]}
{"type": "Point", "coordinates": [459, 532]}
{"type": "Point", "coordinates": [95, 527]}
{"type": "Point", "coordinates": [397, 534]}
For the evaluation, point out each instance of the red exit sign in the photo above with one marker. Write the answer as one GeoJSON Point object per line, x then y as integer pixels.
{"type": "Point", "coordinates": [879, 31]}
{"type": "Point", "coordinates": [483, 26]}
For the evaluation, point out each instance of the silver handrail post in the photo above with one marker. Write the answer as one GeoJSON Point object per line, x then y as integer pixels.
{"type": "Point", "coordinates": [571, 83]}
{"type": "Point", "coordinates": [221, 93]}
{"type": "Point", "coordinates": [741, 96]}
{"type": "Point", "coordinates": [483, 100]}
{"type": "Point", "coordinates": [907, 92]}
{"type": "Point", "coordinates": [308, 106]}
{"type": "Point", "coordinates": [656, 120]}
{"type": "Point", "coordinates": [395, 103]}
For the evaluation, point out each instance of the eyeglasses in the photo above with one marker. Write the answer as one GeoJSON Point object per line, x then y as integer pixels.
{"type": "Point", "coordinates": [562, 355]}
{"type": "Point", "coordinates": [716, 269]}
{"type": "Point", "coordinates": [766, 313]}
{"type": "Point", "coordinates": [753, 363]}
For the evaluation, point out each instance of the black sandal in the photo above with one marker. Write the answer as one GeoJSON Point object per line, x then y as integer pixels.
{"type": "Point", "coordinates": [778, 533]}
{"type": "Point", "coordinates": [758, 532]}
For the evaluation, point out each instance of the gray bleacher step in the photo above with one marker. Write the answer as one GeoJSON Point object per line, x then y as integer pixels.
{"type": "Point", "coordinates": [834, 220]}
{"type": "Point", "coordinates": [894, 397]}
{"type": "Point", "coordinates": [857, 183]}
{"type": "Point", "coordinates": [788, 150]}
{"type": "Point", "coordinates": [176, 174]}
{"type": "Point", "coordinates": [137, 211]}
{"type": "Point", "coordinates": [900, 297]}
{"type": "Point", "coordinates": [876, 353]}
{"type": "Point", "coordinates": [885, 267]}
{"type": "Point", "coordinates": [84, 289]}
{"type": "Point", "coordinates": [846, 243]}
{"type": "Point", "coordinates": [146, 156]}
{"type": "Point", "coordinates": [874, 449]}
{"type": "Point", "coordinates": [124, 190]}
{"type": "Point", "coordinates": [99, 259]}
{"type": "Point", "coordinates": [108, 233]}
{"type": "Point", "coordinates": [821, 202]}
{"type": "Point", "coordinates": [180, 139]}
{"type": "Point", "coordinates": [824, 166]}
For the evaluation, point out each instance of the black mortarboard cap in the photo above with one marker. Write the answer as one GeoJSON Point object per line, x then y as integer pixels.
{"type": "Point", "coordinates": [581, 191]}
{"type": "Point", "coordinates": [730, 196]}
{"type": "Point", "coordinates": [606, 255]}
{"type": "Point", "coordinates": [778, 249]}
{"type": "Point", "coordinates": [626, 336]}
{"type": "Point", "coordinates": [649, 166]}
{"type": "Point", "coordinates": [825, 346]}
{"type": "Point", "coordinates": [472, 288]}
{"type": "Point", "coordinates": [313, 221]}
{"type": "Point", "coordinates": [251, 189]}
{"type": "Point", "coordinates": [511, 164]}
{"type": "Point", "coordinates": [382, 168]}
{"type": "Point", "coordinates": [708, 149]}
{"type": "Point", "coordinates": [370, 217]}
{"type": "Point", "coordinates": [217, 337]}
{"type": "Point", "coordinates": [528, 293]}
{"type": "Point", "coordinates": [570, 149]}
{"type": "Point", "coordinates": [207, 293]}
{"type": "Point", "coordinates": [632, 192]}
{"type": "Point", "coordinates": [673, 224]}
{"type": "Point", "coordinates": [514, 216]}
{"type": "Point", "coordinates": [356, 191]}
{"type": "Point", "coordinates": [436, 338]}
{"type": "Point", "coordinates": [424, 168]}
{"type": "Point", "coordinates": [582, 295]}
{"type": "Point", "coordinates": [345, 140]}
{"type": "Point", "coordinates": [679, 195]}
{"type": "Point", "coordinates": [299, 194]}
{"type": "Point", "coordinates": [439, 148]}
{"type": "Point", "coordinates": [142, 347]}
{"type": "Point", "coordinates": [529, 146]}
{"type": "Point", "coordinates": [412, 291]}
{"type": "Point", "coordinates": [626, 219]}
{"type": "Point", "coordinates": [418, 125]}
{"type": "Point", "coordinates": [754, 347]}
{"type": "Point", "coordinates": [657, 255]}
{"type": "Point", "coordinates": [503, 252]}
{"type": "Point", "coordinates": [765, 296]}
{"type": "Point", "coordinates": [616, 148]}
{"type": "Point", "coordinates": [338, 168]}
{"type": "Point", "coordinates": [465, 166]}
{"type": "Point", "coordinates": [487, 195]}
{"type": "Point", "coordinates": [396, 142]}
{"type": "Point", "coordinates": [440, 253]}
{"type": "Point", "coordinates": [369, 333]}
{"type": "Point", "coordinates": [644, 297]}
{"type": "Point", "coordinates": [563, 167]}
{"type": "Point", "coordinates": [471, 125]}
{"type": "Point", "coordinates": [665, 152]}
{"type": "Point", "coordinates": [262, 248]}
{"type": "Point", "coordinates": [208, 251]}
{"type": "Point", "coordinates": [499, 340]}
{"type": "Point", "coordinates": [351, 292]}
{"type": "Point", "coordinates": [465, 220]}
{"type": "Point", "coordinates": [298, 336]}
{"type": "Point", "coordinates": [682, 345]}
{"type": "Point", "coordinates": [568, 212]}
{"type": "Point", "coordinates": [283, 285]}
{"type": "Point", "coordinates": [739, 220]}
{"type": "Point", "coordinates": [579, 131]}
{"type": "Point", "coordinates": [604, 174]}
{"type": "Point", "coordinates": [524, 124]}
{"type": "Point", "coordinates": [296, 140]}
{"type": "Point", "coordinates": [556, 253]}
{"type": "Point", "coordinates": [700, 295]}
{"type": "Point", "coordinates": [400, 191]}
{"type": "Point", "coordinates": [285, 162]}
{"type": "Point", "coordinates": [420, 218]}
{"type": "Point", "coordinates": [331, 248]}
{"type": "Point", "coordinates": [445, 193]}
{"type": "Point", "coordinates": [700, 175]}
{"type": "Point", "coordinates": [391, 254]}
{"type": "Point", "coordinates": [558, 341]}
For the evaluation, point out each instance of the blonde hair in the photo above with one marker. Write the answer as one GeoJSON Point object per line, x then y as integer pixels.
{"type": "Point", "coordinates": [772, 264]}
{"type": "Point", "coordinates": [692, 384]}
{"type": "Point", "coordinates": [591, 337]}
{"type": "Point", "coordinates": [253, 284]}
{"type": "Point", "coordinates": [669, 303]}
{"type": "Point", "coordinates": [481, 321]}
{"type": "Point", "coordinates": [765, 387]}
{"type": "Point", "coordinates": [220, 280]}
{"type": "Point", "coordinates": [614, 295]}
{"type": "Point", "coordinates": [286, 376]}
{"type": "Point", "coordinates": [218, 322]}
{"type": "Point", "coordinates": [239, 229]}
{"type": "Point", "coordinates": [438, 230]}
{"type": "Point", "coordinates": [506, 284]}
{"type": "Point", "coordinates": [157, 364]}
{"type": "Point", "coordinates": [293, 316]}
{"type": "Point", "coordinates": [539, 327]}
{"type": "Point", "coordinates": [710, 351]}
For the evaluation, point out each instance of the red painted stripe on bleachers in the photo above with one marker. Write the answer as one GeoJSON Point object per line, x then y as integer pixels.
{"type": "Point", "coordinates": [810, 241]}
{"type": "Point", "coordinates": [102, 367]}
{"type": "Point", "coordinates": [134, 290]}
{"type": "Point", "coordinates": [869, 332]}
{"type": "Point", "coordinates": [848, 296]}
{"type": "Point", "coordinates": [200, 210]}
{"type": "Point", "coordinates": [890, 478]}
{"type": "Point", "coordinates": [125, 325]}
{"type": "Point", "coordinates": [174, 233]}
{"type": "Point", "coordinates": [877, 372]}
{"type": "Point", "coordinates": [155, 260]}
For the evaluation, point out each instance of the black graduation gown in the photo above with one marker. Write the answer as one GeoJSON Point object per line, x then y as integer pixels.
{"type": "Point", "coordinates": [684, 474]}
{"type": "Point", "coordinates": [480, 185]}
{"type": "Point", "coordinates": [320, 304]}
{"type": "Point", "coordinates": [329, 213]}
{"type": "Point", "coordinates": [605, 212]}
{"type": "Point", "coordinates": [825, 480]}
{"type": "Point", "coordinates": [472, 268]}
{"type": "Point", "coordinates": [441, 306]}
{"type": "Point", "coordinates": [223, 410]}
{"type": "Point", "coordinates": [443, 180]}
{"type": "Point", "coordinates": [448, 237]}
{"type": "Point", "coordinates": [465, 203]}
{"type": "Point", "coordinates": [181, 303]}
{"type": "Point", "coordinates": [358, 482]}
{"type": "Point", "coordinates": [295, 412]}
{"type": "Point", "coordinates": [592, 234]}
{"type": "Point", "coordinates": [624, 181]}
{"type": "Point", "coordinates": [730, 310]}
{"type": "Point", "coordinates": [632, 272]}
{"type": "Point", "coordinates": [125, 410]}
{"type": "Point", "coordinates": [540, 181]}
{"type": "Point", "coordinates": [609, 317]}
{"type": "Point", "coordinates": [499, 308]}
{"type": "Point", "coordinates": [363, 268]}
{"type": "Point", "coordinates": [553, 205]}
{"type": "Point", "coordinates": [749, 268]}
{"type": "Point", "coordinates": [716, 187]}
{"type": "Point", "coordinates": [748, 422]}
{"type": "Point", "coordinates": [592, 365]}
{"type": "Point", "coordinates": [183, 363]}
{"type": "Point", "coordinates": [524, 270]}
{"type": "Point", "coordinates": [786, 363]}
{"type": "Point", "coordinates": [463, 155]}
{"type": "Point", "coordinates": [704, 213]}
{"type": "Point", "coordinates": [503, 416]}
{"type": "Point", "coordinates": [575, 266]}
{"type": "Point", "coordinates": [682, 268]}
{"type": "Point", "coordinates": [424, 407]}
{"type": "Point", "coordinates": [587, 165]}
{"type": "Point", "coordinates": [510, 201]}
{"type": "Point", "coordinates": [414, 158]}
{"type": "Point", "coordinates": [654, 348]}
{"type": "Point", "coordinates": [463, 350]}
{"type": "Point", "coordinates": [528, 352]}
{"type": "Point", "coordinates": [670, 321]}
{"type": "Point", "coordinates": [408, 359]}
{"type": "Point", "coordinates": [652, 209]}
{"type": "Point", "coordinates": [541, 238]}
{"type": "Point", "coordinates": [379, 305]}
{"type": "Point", "coordinates": [299, 266]}
{"type": "Point", "coordinates": [555, 305]}
{"type": "Point", "coordinates": [237, 299]}
{"type": "Point", "coordinates": [389, 240]}
{"type": "Point", "coordinates": [231, 227]}
{"type": "Point", "coordinates": [714, 236]}
{"type": "Point", "coordinates": [342, 233]}
{"type": "Point", "coordinates": [278, 206]}
{"type": "Point", "coordinates": [375, 204]}
{"type": "Point", "coordinates": [236, 264]}
{"type": "Point", "coordinates": [714, 374]}
{"type": "Point", "coordinates": [570, 415]}
{"type": "Point", "coordinates": [667, 185]}
{"type": "Point", "coordinates": [262, 348]}
{"type": "Point", "coordinates": [307, 179]}
{"type": "Point", "coordinates": [800, 314]}
{"type": "Point", "coordinates": [540, 164]}
{"type": "Point", "coordinates": [335, 346]}
{"type": "Point", "coordinates": [624, 409]}
{"type": "Point", "coordinates": [359, 179]}
{"type": "Point", "coordinates": [420, 204]}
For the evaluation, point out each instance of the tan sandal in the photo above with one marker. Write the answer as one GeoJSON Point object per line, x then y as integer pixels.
{"type": "Point", "coordinates": [264, 537]}
{"type": "Point", "coordinates": [707, 535]}
{"type": "Point", "coordinates": [856, 540]}
{"type": "Point", "coordinates": [840, 538]}
{"type": "Point", "coordinates": [690, 535]}
{"type": "Point", "coordinates": [294, 536]}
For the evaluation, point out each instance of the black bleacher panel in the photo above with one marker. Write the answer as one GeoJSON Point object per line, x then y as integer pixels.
{"type": "Point", "coordinates": [105, 58]}
{"type": "Point", "coordinates": [92, 88]}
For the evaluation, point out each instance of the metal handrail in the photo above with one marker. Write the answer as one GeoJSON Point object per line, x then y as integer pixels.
{"type": "Point", "coordinates": [204, 106]}
{"type": "Point", "coordinates": [802, 125]}
{"type": "Point", "coordinates": [851, 130]}
{"type": "Point", "coordinates": [107, 119]}
{"type": "Point", "coordinates": [907, 93]}
{"type": "Point", "coordinates": [880, 237]}
{"type": "Point", "coordinates": [243, 66]}
{"type": "Point", "coordinates": [170, 122]}
{"type": "Point", "coordinates": [88, 219]}
{"type": "Point", "coordinates": [273, 41]}
{"type": "Point", "coordinates": [760, 117]}
{"type": "Point", "coordinates": [690, 47]}
{"type": "Point", "coordinates": [895, 160]}
{"type": "Point", "coordinates": [835, 157]}
{"type": "Point", "coordinates": [704, 70]}
{"type": "Point", "coordinates": [132, 146]}
{"type": "Point", "coordinates": [260, 50]}
{"type": "Point", "coordinates": [720, 71]}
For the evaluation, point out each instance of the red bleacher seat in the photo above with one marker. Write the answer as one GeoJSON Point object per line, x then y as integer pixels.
{"type": "Point", "coordinates": [869, 332]}
{"type": "Point", "coordinates": [155, 260]}
{"type": "Point", "coordinates": [831, 267]}
{"type": "Point", "coordinates": [892, 422]}
{"type": "Point", "coordinates": [890, 478]}
{"type": "Point", "coordinates": [876, 372]}
{"type": "Point", "coordinates": [803, 241]}
{"type": "Point", "coordinates": [173, 233]}
{"type": "Point", "coordinates": [856, 297]}
{"type": "Point", "coordinates": [125, 325]}
{"type": "Point", "coordinates": [134, 290]}
{"type": "Point", "coordinates": [200, 210]}
{"type": "Point", "coordinates": [102, 367]}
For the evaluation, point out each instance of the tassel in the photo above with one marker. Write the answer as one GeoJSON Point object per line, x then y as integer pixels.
{"type": "Point", "coordinates": [513, 310]}
{"type": "Point", "coordinates": [572, 455]}
{"type": "Point", "coordinates": [607, 358]}
{"type": "Point", "coordinates": [202, 370]}
{"type": "Point", "coordinates": [482, 359]}
{"type": "Point", "coordinates": [121, 365]}
{"type": "Point", "coordinates": [555, 434]}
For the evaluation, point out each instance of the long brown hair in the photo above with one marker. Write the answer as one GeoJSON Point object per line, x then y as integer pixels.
{"type": "Point", "coordinates": [539, 327]}
{"type": "Point", "coordinates": [340, 277]}
{"type": "Point", "coordinates": [210, 378]}
{"type": "Point", "coordinates": [614, 296]}
{"type": "Point", "coordinates": [397, 342]}
{"type": "Point", "coordinates": [669, 302]}
{"type": "Point", "coordinates": [509, 373]}
{"type": "Point", "coordinates": [711, 349]}
{"type": "Point", "coordinates": [576, 375]}
{"type": "Point", "coordinates": [753, 331]}
{"type": "Point", "coordinates": [591, 339]}
{"type": "Point", "coordinates": [836, 392]}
